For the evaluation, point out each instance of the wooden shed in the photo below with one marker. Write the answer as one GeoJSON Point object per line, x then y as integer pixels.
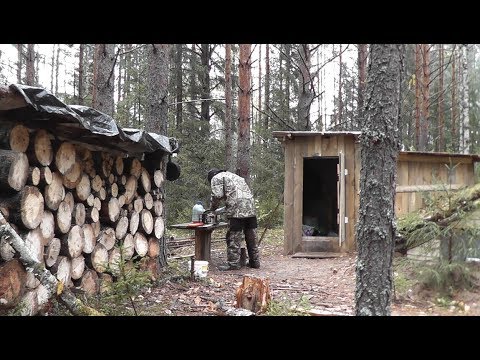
{"type": "Point", "coordinates": [322, 186]}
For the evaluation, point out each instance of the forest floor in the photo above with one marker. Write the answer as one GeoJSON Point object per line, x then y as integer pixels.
{"type": "Point", "coordinates": [299, 286]}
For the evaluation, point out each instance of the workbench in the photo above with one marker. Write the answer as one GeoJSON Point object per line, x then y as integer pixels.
{"type": "Point", "coordinates": [203, 237]}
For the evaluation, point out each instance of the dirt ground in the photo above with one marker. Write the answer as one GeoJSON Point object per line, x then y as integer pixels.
{"type": "Point", "coordinates": [298, 286]}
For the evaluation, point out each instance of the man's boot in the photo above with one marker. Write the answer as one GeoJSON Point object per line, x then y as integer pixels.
{"type": "Point", "coordinates": [252, 248]}
{"type": "Point", "coordinates": [233, 252]}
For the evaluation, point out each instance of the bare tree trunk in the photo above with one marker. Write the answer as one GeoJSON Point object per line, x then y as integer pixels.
{"type": "Point", "coordinates": [465, 122]}
{"type": "Point", "coordinates": [454, 103]}
{"type": "Point", "coordinates": [30, 65]}
{"type": "Point", "coordinates": [53, 69]}
{"type": "Point", "coordinates": [267, 84]}
{"type": "Point", "coordinates": [104, 78]}
{"type": "Point", "coordinates": [244, 98]}
{"type": "Point", "coordinates": [424, 121]}
{"type": "Point", "coordinates": [380, 145]}
{"type": "Point", "coordinates": [418, 95]}
{"type": "Point", "coordinates": [305, 88]}
{"type": "Point", "coordinates": [440, 111]}
{"type": "Point", "coordinates": [340, 101]}
{"type": "Point", "coordinates": [19, 63]}
{"type": "Point", "coordinates": [191, 84]}
{"type": "Point", "coordinates": [230, 165]}
{"type": "Point", "coordinates": [288, 65]}
{"type": "Point", "coordinates": [119, 82]}
{"type": "Point", "coordinates": [156, 115]}
{"type": "Point", "coordinates": [205, 86]}
{"type": "Point", "coordinates": [259, 83]}
{"type": "Point", "coordinates": [362, 75]}
{"type": "Point", "coordinates": [179, 84]}
{"type": "Point", "coordinates": [80, 74]}
{"type": "Point", "coordinates": [37, 65]}
{"type": "Point", "coordinates": [127, 69]}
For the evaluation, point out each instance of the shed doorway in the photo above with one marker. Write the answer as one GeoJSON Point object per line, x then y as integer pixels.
{"type": "Point", "coordinates": [322, 200]}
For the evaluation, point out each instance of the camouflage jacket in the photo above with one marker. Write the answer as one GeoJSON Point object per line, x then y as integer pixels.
{"type": "Point", "coordinates": [234, 190]}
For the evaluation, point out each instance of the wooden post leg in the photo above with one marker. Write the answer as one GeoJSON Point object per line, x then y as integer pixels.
{"type": "Point", "coordinates": [203, 240]}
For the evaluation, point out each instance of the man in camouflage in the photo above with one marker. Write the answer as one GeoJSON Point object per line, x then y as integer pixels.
{"type": "Point", "coordinates": [240, 211]}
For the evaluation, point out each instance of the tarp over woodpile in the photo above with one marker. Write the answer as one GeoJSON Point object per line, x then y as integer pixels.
{"type": "Point", "coordinates": [38, 108]}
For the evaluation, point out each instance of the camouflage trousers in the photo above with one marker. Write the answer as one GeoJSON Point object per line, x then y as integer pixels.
{"type": "Point", "coordinates": [234, 244]}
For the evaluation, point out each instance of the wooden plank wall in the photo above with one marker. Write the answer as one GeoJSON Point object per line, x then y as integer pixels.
{"type": "Point", "coordinates": [427, 170]}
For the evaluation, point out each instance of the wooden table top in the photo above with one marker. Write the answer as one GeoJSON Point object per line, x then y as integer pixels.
{"type": "Point", "coordinates": [193, 226]}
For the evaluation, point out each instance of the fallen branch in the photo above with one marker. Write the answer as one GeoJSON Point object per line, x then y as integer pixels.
{"type": "Point", "coordinates": [52, 285]}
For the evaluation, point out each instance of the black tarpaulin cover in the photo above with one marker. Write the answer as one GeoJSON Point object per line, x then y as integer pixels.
{"type": "Point", "coordinates": [85, 124]}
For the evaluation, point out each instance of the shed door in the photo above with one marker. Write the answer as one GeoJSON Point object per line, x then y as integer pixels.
{"type": "Point", "coordinates": [341, 197]}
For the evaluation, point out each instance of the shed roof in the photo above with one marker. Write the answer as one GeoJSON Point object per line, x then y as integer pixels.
{"type": "Point", "coordinates": [38, 108]}
{"type": "Point", "coordinates": [404, 154]}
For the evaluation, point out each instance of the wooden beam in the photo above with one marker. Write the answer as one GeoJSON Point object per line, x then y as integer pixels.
{"type": "Point", "coordinates": [436, 187]}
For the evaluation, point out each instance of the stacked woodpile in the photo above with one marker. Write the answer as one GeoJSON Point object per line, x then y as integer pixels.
{"type": "Point", "coordinates": [77, 207]}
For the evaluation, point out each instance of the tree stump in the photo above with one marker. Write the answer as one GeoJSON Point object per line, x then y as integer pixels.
{"type": "Point", "coordinates": [253, 294]}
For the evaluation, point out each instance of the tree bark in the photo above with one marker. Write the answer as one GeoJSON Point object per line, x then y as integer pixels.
{"type": "Point", "coordinates": [380, 145]}
{"type": "Point", "coordinates": [229, 162]}
{"type": "Point", "coordinates": [244, 98]}
{"type": "Point", "coordinates": [157, 88]}
{"type": "Point", "coordinates": [179, 84]}
{"type": "Point", "coordinates": [267, 86]}
{"type": "Point", "coordinates": [104, 78]}
{"type": "Point", "coordinates": [362, 75]}
{"type": "Point", "coordinates": [440, 111]}
{"type": "Point", "coordinates": [305, 88]}
{"type": "Point", "coordinates": [30, 65]}
{"type": "Point", "coordinates": [80, 74]}
{"type": "Point", "coordinates": [465, 121]}
{"type": "Point", "coordinates": [19, 63]}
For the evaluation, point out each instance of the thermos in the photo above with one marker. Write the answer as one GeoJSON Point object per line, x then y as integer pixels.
{"type": "Point", "coordinates": [197, 212]}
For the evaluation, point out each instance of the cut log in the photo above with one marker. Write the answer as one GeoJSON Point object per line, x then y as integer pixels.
{"type": "Point", "coordinates": [5, 212]}
{"type": "Point", "coordinates": [70, 201]}
{"type": "Point", "coordinates": [106, 282]}
{"type": "Point", "coordinates": [46, 177]}
{"type": "Point", "coordinates": [14, 138]}
{"type": "Point", "coordinates": [28, 305]}
{"type": "Point", "coordinates": [90, 200]}
{"type": "Point", "coordinates": [7, 252]}
{"type": "Point", "coordinates": [153, 247]}
{"type": "Point", "coordinates": [13, 170]}
{"type": "Point", "coordinates": [135, 167]}
{"type": "Point", "coordinates": [64, 218]}
{"type": "Point", "coordinates": [47, 227]}
{"type": "Point", "coordinates": [113, 190]}
{"type": "Point", "coordinates": [90, 282]}
{"type": "Point", "coordinates": [158, 207]}
{"type": "Point", "coordinates": [73, 243]}
{"type": "Point", "coordinates": [54, 192]}
{"type": "Point", "coordinates": [99, 258]}
{"type": "Point", "coordinates": [148, 201]}
{"type": "Point", "coordinates": [150, 265]}
{"type": "Point", "coordinates": [52, 251]}
{"type": "Point", "coordinates": [34, 243]}
{"type": "Point", "coordinates": [114, 259]}
{"type": "Point", "coordinates": [33, 176]}
{"type": "Point", "coordinates": [31, 282]}
{"type": "Point", "coordinates": [107, 164]}
{"type": "Point", "coordinates": [158, 178]}
{"type": "Point", "coordinates": [12, 283]}
{"type": "Point", "coordinates": [146, 221]}
{"type": "Point", "coordinates": [102, 194]}
{"type": "Point", "coordinates": [83, 190]}
{"type": "Point", "coordinates": [97, 183]}
{"type": "Point", "coordinates": [92, 214]}
{"type": "Point", "coordinates": [138, 205]}
{"type": "Point", "coordinates": [78, 266]}
{"type": "Point", "coordinates": [122, 228]}
{"type": "Point", "coordinates": [141, 244]}
{"type": "Point", "coordinates": [130, 189]}
{"type": "Point", "coordinates": [96, 229]}
{"type": "Point", "coordinates": [123, 180]}
{"type": "Point", "coordinates": [111, 179]}
{"type": "Point", "coordinates": [97, 204]}
{"type": "Point", "coordinates": [134, 222]}
{"type": "Point", "coordinates": [159, 227]}
{"type": "Point", "coordinates": [253, 294]}
{"type": "Point", "coordinates": [78, 216]}
{"type": "Point", "coordinates": [26, 207]}
{"type": "Point", "coordinates": [128, 247]}
{"type": "Point", "coordinates": [65, 158]}
{"type": "Point", "coordinates": [43, 298]}
{"type": "Point", "coordinates": [83, 153]}
{"type": "Point", "coordinates": [42, 149]}
{"type": "Point", "coordinates": [110, 211]}
{"type": "Point", "coordinates": [107, 238]}
{"type": "Point", "coordinates": [46, 278]}
{"type": "Point", "coordinates": [119, 165]}
{"type": "Point", "coordinates": [121, 200]}
{"type": "Point", "coordinates": [73, 176]}
{"type": "Point", "coordinates": [89, 237]}
{"type": "Point", "coordinates": [63, 270]}
{"type": "Point", "coordinates": [146, 183]}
